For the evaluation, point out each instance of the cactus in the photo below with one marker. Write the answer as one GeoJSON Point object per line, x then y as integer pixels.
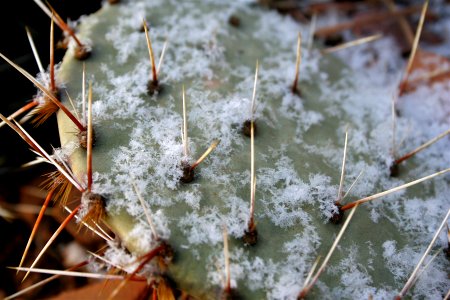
{"type": "Point", "coordinates": [298, 137]}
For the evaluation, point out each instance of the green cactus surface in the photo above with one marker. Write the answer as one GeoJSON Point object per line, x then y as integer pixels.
{"type": "Point", "coordinates": [298, 149]}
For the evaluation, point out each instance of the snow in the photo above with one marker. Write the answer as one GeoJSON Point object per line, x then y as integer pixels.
{"type": "Point", "coordinates": [299, 149]}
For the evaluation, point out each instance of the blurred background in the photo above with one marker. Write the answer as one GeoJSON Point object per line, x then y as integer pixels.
{"type": "Point", "coordinates": [20, 191]}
